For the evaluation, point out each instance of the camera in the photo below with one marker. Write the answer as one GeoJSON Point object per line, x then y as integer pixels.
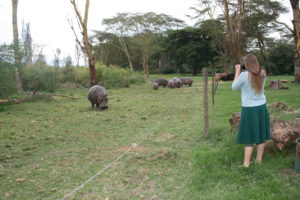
{"type": "Point", "coordinates": [243, 67]}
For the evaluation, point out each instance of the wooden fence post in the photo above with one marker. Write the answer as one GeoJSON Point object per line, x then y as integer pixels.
{"type": "Point", "coordinates": [205, 98]}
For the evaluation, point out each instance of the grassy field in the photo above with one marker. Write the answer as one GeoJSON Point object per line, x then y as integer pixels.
{"type": "Point", "coordinates": [48, 148]}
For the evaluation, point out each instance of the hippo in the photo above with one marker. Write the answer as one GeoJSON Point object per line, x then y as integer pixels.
{"type": "Point", "coordinates": [162, 81]}
{"type": "Point", "coordinates": [177, 82]}
{"type": "Point", "coordinates": [155, 85]}
{"type": "Point", "coordinates": [171, 84]}
{"type": "Point", "coordinates": [98, 95]}
{"type": "Point", "coordinates": [187, 81]}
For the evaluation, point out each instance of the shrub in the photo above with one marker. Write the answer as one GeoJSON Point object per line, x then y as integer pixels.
{"type": "Point", "coordinates": [114, 76]}
{"type": "Point", "coordinates": [68, 74]}
{"type": "Point", "coordinates": [7, 79]}
{"type": "Point", "coordinates": [168, 70]}
{"type": "Point", "coordinates": [281, 58]}
{"type": "Point", "coordinates": [44, 76]}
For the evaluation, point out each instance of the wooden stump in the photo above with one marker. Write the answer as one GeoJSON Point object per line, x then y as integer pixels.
{"type": "Point", "coordinates": [284, 133]}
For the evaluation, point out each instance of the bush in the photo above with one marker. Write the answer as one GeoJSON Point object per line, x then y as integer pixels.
{"type": "Point", "coordinates": [114, 76]}
{"type": "Point", "coordinates": [68, 74]}
{"type": "Point", "coordinates": [46, 76]}
{"type": "Point", "coordinates": [281, 59]}
{"type": "Point", "coordinates": [168, 70]}
{"type": "Point", "coordinates": [110, 77]}
{"type": "Point", "coordinates": [7, 79]}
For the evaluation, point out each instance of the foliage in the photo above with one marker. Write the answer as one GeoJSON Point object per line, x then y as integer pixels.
{"type": "Point", "coordinates": [114, 76]}
{"type": "Point", "coordinates": [7, 79]}
{"type": "Point", "coordinates": [136, 35]}
{"type": "Point", "coordinates": [68, 74]}
{"type": "Point", "coordinates": [190, 46]}
{"type": "Point", "coordinates": [281, 58]}
{"type": "Point", "coordinates": [40, 77]}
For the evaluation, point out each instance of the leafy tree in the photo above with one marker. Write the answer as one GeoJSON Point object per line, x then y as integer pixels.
{"type": "Point", "coordinates": [118, 26]}
{"type": "Point", "coordinates": [190, 46]}
{"type": "Point", "coordinates": [138, 35]}
{"type": "Point", "coordinates": [281, 58]}
{"type": "Point", "coordinates": [148, 28]}
{"type": "Point", "coordinates": [257, 24]}
{"type": "Point", "coordinates": [107, 49]}
{"type": "Point", "coordinates": [296, 34]}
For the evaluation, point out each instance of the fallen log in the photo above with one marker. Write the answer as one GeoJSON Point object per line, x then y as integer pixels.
{"type": "Point", "coordinates": [284, 133]}
{"type": "Point", "coordinates": [277, 84]}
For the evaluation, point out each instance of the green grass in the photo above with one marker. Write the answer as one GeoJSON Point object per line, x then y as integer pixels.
{"type": "Point", "coordinates": [49, 148]}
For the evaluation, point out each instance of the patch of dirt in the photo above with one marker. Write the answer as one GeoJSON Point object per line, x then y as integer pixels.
{"type": "Point", "coordinates": [133, 149]}
{"type": "Point", "coordinates": [90, 135]}
{"type": "Point", "coordinates": [164, 137]}
{"type": "Point", "coordinates": [163, 154]}
{"type": "Point", "coordinates": [288, 172]}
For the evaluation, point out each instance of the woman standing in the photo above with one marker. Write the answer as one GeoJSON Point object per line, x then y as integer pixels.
{"type": "Point", "coordinates": [255, 124]}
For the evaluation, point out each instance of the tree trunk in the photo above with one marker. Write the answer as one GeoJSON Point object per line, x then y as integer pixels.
{"type": "Point", "coordinates": [86, 42]}
{"type": "Point", "coordinates": [205, 100]}
{"type": "Point", "coordinates": [229, 32]}
{"type": "Point", "coordinates": [125, 49]}
{"type": "Point", "coordinates": [238, 40]}
{"type": "Point", "coordinates": [233, 31]}
{"type": "Point", "coordinates": [17, 56]}
{"type": "Point", "coordinates": [296, 33]}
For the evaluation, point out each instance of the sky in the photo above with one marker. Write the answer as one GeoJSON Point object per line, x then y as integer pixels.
{"type": "Point", "coordinates": [49, 25]}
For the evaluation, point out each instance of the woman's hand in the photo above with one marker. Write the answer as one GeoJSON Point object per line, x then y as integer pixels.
{"type": "Point", "coordinates": [237, 71]}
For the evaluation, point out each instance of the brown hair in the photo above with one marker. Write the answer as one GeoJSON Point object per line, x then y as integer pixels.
{"type": "Point", "coordinates": [255, 73]}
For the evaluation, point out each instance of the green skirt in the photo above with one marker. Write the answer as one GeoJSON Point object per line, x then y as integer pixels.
{"type": "Point", "coordinates": [254, 125]}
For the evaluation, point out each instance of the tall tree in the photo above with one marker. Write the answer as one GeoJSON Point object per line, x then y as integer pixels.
{"type": "Point", "coordinates": [190, 46]}
{"type": "Point", "coordinates": [257, 27]}
{"type": "Point", "coordinates": [147, 28]}
{"type": "Point", "coordinates": [17, 53]}
{"type": "Point", "coordinates": [118, 26]}
{"type": "Point", "coordinates": [83, 21]}
{"type": "Point", "coordinates": [296, 34]}
{"type": "Point", "coordinates": [107, 49]}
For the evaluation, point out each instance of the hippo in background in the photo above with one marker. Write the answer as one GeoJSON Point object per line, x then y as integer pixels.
{"type": "Point", "coordinates": [177, 82]}
{"type": "Point", "coordinates": [155, 85]}
{"type": "Point", "coordinates": [171, 84]}
{"type": "Point", "coordinates": [98, 95]}
{"type": "Point", "coordinates": [162, 81]}
{"type": "Point", "coordinates": [187, 81]}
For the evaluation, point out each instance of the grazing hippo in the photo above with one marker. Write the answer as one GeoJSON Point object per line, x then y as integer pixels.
{"type": "Point", "coordinates": [98, 95]}
{"type": "Point", "coordinates": [162, 81]}
{"type": "Point", "coordinates": [171, 84]}
{"type": "Point", "coordinates": [177, 82]}
{"type": "Point", "coordinates": [187, 81]}
{"type": "Point", "coordinates": [155, 85]}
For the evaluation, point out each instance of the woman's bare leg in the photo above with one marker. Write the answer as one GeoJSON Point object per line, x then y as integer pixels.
{"type": "Point", "coordinates": [247, 156]}
{"type": "Point", "coordinates": [260, 152]}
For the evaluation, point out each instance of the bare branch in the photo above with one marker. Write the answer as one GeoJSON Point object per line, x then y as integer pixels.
{"type": "Point", "coordinates": [76, 38]}
{"type": "Point", "coordinates": [284, 24]}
